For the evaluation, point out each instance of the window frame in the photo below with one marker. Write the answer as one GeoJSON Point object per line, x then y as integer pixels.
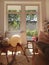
{"type": "Point", "coordinates": [23, 3]}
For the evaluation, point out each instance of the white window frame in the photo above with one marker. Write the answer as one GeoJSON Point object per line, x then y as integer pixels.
{"type": "Point", "coordinates": [36, 3]}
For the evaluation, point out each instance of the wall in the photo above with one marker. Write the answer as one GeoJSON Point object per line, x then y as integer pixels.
{"type": "Point", "coordinates": [47, 10]}
{"type": "Point", "coordinates": [1, 16]}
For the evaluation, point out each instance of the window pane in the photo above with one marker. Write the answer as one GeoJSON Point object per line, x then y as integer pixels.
{"type": "Point", "coordinates": [31, 21]}
{"type": "Point", "coordinates": [13, 22]}
{"type": "Point", "coordinates": [14, 8]}
{"type": "Point", "coordinates": [34, 8]}
{"type": "Point", "coordinates": [14, 18]}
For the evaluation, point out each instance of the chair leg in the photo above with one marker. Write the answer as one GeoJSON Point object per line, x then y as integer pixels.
{"type": "Point", "coordinates": [0, 57]}
{"type": "Point", "coordinates": [7, 58]}
{"type": "Point", "coordinates": [14, 55]}
{"type": "Point", "coordinates": [23, 52]}
{"type": "Point", "coordinates": [26, 56]}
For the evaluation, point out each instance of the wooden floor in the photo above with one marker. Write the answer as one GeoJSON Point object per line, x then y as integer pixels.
{"type": "Point", "coordinates": [38, 59]}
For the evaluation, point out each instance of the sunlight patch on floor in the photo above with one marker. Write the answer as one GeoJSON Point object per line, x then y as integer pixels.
{"type": "Point", "coordinates": [10, 53]}
{"type": "Point", "coordinates": [19, 52]}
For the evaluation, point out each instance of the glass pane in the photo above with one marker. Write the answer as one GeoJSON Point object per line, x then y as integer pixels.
{"type": "Point", "coordinates": [14, 8]}
{"type": "Point", "coordinates": [32, 8]}
{"type": "Point", "coordinates": [14, 18]}
{"type": "Point", "coordinates": [31, 21]}
{"type": "Point", "coordinates": [13, 22]}
{"type": "Point", "coordinates": [31, 18]}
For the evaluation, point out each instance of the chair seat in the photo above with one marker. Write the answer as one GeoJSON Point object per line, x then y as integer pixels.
{"type": "Point", "coordinates": [14, 40]}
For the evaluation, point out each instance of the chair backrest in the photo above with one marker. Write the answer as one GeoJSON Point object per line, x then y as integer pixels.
{"type": "Point", "coordinates": [14, 40]}
{"type": "Point", "coordinates": [43, 37]}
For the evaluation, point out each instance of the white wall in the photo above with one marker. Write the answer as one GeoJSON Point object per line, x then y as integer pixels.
{"type": "Point", "coordinates": [47, 9]}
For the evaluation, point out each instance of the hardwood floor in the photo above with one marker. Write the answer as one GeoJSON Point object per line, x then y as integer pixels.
{"type": "Point", "coordinates": [38, 59]}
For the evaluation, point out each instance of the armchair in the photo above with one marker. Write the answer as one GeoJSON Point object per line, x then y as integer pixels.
{"type": "Point", "coordinates": [43, 44]}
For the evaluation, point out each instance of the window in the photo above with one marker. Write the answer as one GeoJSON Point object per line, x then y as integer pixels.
{"type": "Point", "coordinates": [14, 8]}
{"type": "Point", "coordinates": [14, 18]}
{"type": "Point", "coordinates": [31, 21]}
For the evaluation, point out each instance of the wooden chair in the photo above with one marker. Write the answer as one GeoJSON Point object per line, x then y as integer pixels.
{"type": "Point", "coordinates": [4, 47]}
{"type": "Point", "coordinates": [15, 42]}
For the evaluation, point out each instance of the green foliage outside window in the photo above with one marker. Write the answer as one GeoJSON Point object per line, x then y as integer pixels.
{"type": "Point", "coordinates": [15, 24]}
{"type": "Point", "coordinates": [14, 21]}
{"type": "Point", "coordinates": [32, 33]}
